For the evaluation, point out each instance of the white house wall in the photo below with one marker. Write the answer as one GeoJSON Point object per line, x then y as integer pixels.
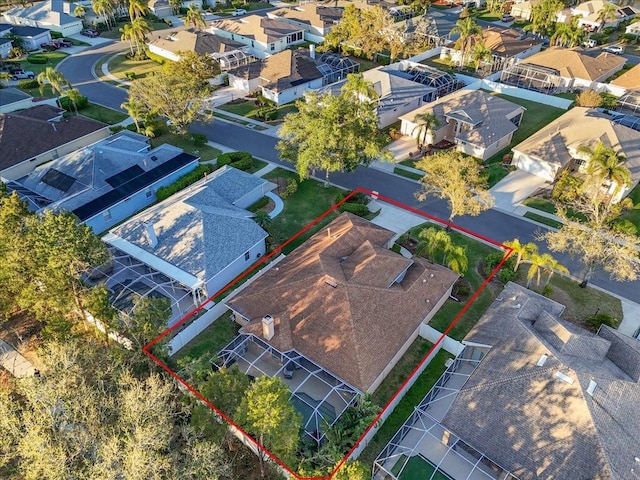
{"type": "Point", "coordinates": [33, 43]}
{"type": "Point", "coordinates": [291, 94]}
{"type": "Point", "coordinates": [542, 169]}
{"type": "Point", "coordinates": [250, 198]}
{"type": "Point", "coordinates": [19, 105]}
{"type": "Point", "coordinates": [163, 53]}
{"type": "Point", "coordinates": [5, 49]}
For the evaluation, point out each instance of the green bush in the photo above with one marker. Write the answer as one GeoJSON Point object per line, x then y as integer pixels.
{"type": "Point", "coordinates": [245, 164]}
{"type": "Point", "coordinates": [629, 37]}
{"type": "Point", "coordinates": [155, 58]}
{"type": "Point", "coordinates": [395, 248]}
{"type": "Point", "coordinates": [355, 208]}
{"type": "Point", "coordinates": [67, 104]}
{"type": "Point", "coordinates": [266, 114]}
{"type": "Point", "coordinates": [625, 226]}
{"type": "Point", "coordinates": [292, 187]}
{"type": "Point", "coordinates": [55, 35]}
{"type": "Point", "coordinates": [184, 181]}
{"type": "Point", "coordinates": [595, 321]}
{"type": "Point", "coordinates": [357, 198]}
{"type": "Point", "coordinates": [37, 58]}
{"type": "Point", "coordinates": [116, 128]}
{"type": "Point", "coordinates": [231, 157]}
{"type": "Point", "coordinates": [547, 291]}
{"type": "Point", "coordinates": [262, 101]}
{"type": "Point", "coordinates": [199, 139]}
{"type": "Point", "coordinates": [506, 275]}
{"type": "Point", "coordinates": [600, 38]}
{"type": "Point", "coordinates": [130, 75]}
{"type": "Point", "coordinates": [259, 204]}
{"type": "Point", "coordinates": [493, 259]}
{"type": "Point", "coordinates": [608, 30]}
{"type": "Point", "coordinates": [28, 84]}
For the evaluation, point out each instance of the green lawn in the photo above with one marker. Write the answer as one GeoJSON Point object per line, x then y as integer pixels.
{"type": "Point", "coordinates": [544, 220]}
{"type": "Point", "coordinates": [310, 201]}
{"type": "Point", "coordinates": [417, 468]}
{"type": "Point", "coordinates": [405, 173]}
{"type": "Point", "coordinates": [486, 15]}
{"type": "Point", "coordinates": [209, 342]}
{"type": "Point", "coordinates": [205, 152]}
{"type": "Point", "coordinates": [495, 173]}
{"type": "Point", "coordinates": [120, 65]}
{"type": "Point", "coordinates": [53, 58]}
{"type": "Point", "coordinates": [103, 114]}
{"type": "Point", "coordinates": [405, 407]}
{"type": "Point", "coordinates": [249, 109]}
{"type": "Point", "coordinates": [633, 215]}
{"type": "Point", "coordinates": [540, 204]}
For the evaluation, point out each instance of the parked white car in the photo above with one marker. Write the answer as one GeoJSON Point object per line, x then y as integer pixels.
{"type": "Point", "coordinates": [238, 11]}
{"type": "Point", "coordinates": [617, 49]}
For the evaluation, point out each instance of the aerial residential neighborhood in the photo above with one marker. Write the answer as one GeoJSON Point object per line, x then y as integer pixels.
{"type": "Point", "coordinates": [309, 239]}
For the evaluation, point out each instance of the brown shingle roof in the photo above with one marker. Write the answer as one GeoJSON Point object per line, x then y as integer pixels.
{"type": "Point", "coordinates": [332, 301]}
{"type": "Point", "coordinates": [574, 63]}
{"type": "Point", "coordinates": [629, 79]}
{"type": "Point", "coordinates": [315, 15]}
{"type": "Point", "coordinates": [507, 42]}
{"type": "Point", "coordinates": [265, 30]}
{"type": "Point", "coordinates": [27, 133]}
{"type": "Point", "coordinates": [199, 42]}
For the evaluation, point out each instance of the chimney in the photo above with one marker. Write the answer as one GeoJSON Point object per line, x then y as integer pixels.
{"type": "Point", "coordinates": [268, 330]}
{"type": "Point", "coordinates": [312, 51]}
{"type": "Point", "coordinates": [151, 234]}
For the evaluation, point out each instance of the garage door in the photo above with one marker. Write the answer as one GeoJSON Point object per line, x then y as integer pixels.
{"type": "Point", "coordinates": [537, 167]}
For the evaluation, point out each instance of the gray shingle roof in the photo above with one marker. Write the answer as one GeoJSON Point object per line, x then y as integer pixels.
{"type": "Point", "coordinates": [200, 230]}
{"type": "Point", "coordinates": [533, 423]}
{"type": "Point", "coordinates": [11, 95]}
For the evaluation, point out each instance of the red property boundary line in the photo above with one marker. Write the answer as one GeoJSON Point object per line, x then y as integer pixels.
{"type": "Point", "coordinates": [147, 348]}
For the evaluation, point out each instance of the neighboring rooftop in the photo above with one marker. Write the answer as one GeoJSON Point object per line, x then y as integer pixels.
{"type": "Point", "coordinates": [197, 41]}
{"type": "Point", "coordinates": [485, 114]}
{"type": "Point", "coordinates": [265, 30]}
{"type": "Point", "coordinates": [569, 414]}
{"type": "Point", "coordinates": [49, 12]}
{"type": "Point", "coordinates": [199, 230]}
{"type": "Point", "coordinates": [28, 133]}
{"type": "Point", "coordinates": [629, 79]}
{"type": "Point", "coordinates": [12, 95]}
{"type": "Point", "coordinates": [575, 63]}
{"type": "Point", "coordinates": [316, 15]}
{"type": "Point", "coordinates": [334, 298]}
{"type": "Point", "coordinates": [92, 179]}
{"type": "Point", "coordinates": [507, 42]}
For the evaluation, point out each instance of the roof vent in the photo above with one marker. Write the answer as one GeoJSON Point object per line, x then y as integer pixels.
{"type": "Point", "coordinates": [449, 362]}
{"type": "Point", "coordinates": [592, 387]}
{"type": "Point", "coordinates": [268, 329]}
{"type": "Point", "coordinates": [154, 158]}
{"type": "Point", "coordinates": [564, 378]}
{"type": "Point", "coordinates": [543, 359]}
{"type": "Point", "coordinates": [151, 234]}
{"type": "Point", "coordinates": [331, 283]}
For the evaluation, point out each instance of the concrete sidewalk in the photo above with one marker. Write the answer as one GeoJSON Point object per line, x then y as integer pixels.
{"type": "Point", "coordinates": [14, 362]}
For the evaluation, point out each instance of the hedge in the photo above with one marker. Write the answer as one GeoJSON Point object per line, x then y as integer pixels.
{"type": "Point", "coordinates": [28, 84]}
{"type": "Point", "coordinates": [355, 208]}
{"type": "Point", "coordinates": [259, 204]}
{"type": "Point", "coordinates": [239, 160]}
{"type": "Point", "coordinates": [184, 181]}
{"type": "Point", "coordinates": [155, 58]}
{"type": "Point", "coordinates": [359, 197]}
{"type": "Point", "coordinates": [37, 58]}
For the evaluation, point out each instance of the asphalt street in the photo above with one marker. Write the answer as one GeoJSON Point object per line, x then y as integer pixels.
{"type": "Point", "coordinates": [494, 224]}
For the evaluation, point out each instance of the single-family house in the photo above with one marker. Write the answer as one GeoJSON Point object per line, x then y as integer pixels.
{"type": "Point", "coordinates": [32, 37]}
{"type": "Point", "coordinates": [160, 8]}
{"type": "Point", "coordinates": [191, 244]}
{"type": "Point", "coordinates": [397, 94]}
{"type": "Point", "coordinates": [266, 36]}
{"type": "Point", "coordinates": [554, 148]}
{"type": "Point", "coordinates": [531, 396]}
{"type": "Point", "coordinates": [633, 29]}
{"type": "Point", "coordinates": [49, 15]}
{"type": "Point", "coordinates": [316, 20]}
{"type": "Point", "coordinates": [435, 26]}
{"type": "Point", "coordinates": [629, 80]}
{"type": "Point", "coordinates": [90, 17]}
{"type": "Point", "coordinates": [12, 99]}
{"type": "Point", "coordinates": [285, 76]}
{"type": "Point", "coordinates": [524, 9]}
{"type": "Point", "coordinates": [559, 69]}
{"type": "Point", "coordinates": [107, 182]}
{"type": "Point", "coordinates": [480, 124]}
{"type": "Point", "coordinates": [229, 53]}
{"type": "Point", "coordinates": [507, 46]}
{"type": "Point", "coordinates": [345, 301]}
{"type": "Point", "coordinates": [6, 44]}
{"type": "Point", "coordinates": [40, 134]}
{"type": "Point", "coordinates": [590, 11]}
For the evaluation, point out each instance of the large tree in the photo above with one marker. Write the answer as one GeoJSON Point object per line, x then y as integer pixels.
{"type": "Point", "coordinates": [54, 79]}
{"type": "Point", "coordinates": [194, 17]}
{"type": "Point", "coordinates": [425, 125]}
{"type": "Point", "coordinates": [457, 178]}
{"type": "Point", "coordinates": [332, 133]}
{"type": "Point", "coordinates": [136, 34]}
{"type": "Point", "coordinates": [543, 17]}
{"type": "Point", "coordinates": [200, 66]}
{"type": "Point", "coordinates": [181, 99]}
{"type": "Point", "coordinates": [606, 13]}
{"type": "Point", "coordinates": [267, 413]}
{"type": "Point", "coordinates": [469, 31]}
{"type": "Point", "coordinates": [605, 166]}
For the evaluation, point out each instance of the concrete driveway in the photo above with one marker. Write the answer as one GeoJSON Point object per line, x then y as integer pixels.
{"type": "Point", "coordinates": [514, 188]}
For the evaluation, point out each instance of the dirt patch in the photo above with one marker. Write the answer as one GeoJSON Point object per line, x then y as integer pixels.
{"type": "Point", "coordinates": [23, 333]}
{"type": "Point", "coordinates": [281, 182]}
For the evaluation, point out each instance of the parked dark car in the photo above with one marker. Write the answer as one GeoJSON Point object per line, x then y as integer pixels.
{"type": "Point", "coordinates": [90, 32]}
{"type": "Point", "coordinates": [508, 18]}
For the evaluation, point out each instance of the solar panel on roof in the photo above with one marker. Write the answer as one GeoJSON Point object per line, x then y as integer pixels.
{"type": "Point", "coordinates": [124, 176]}
{"type": "Point", "coordinates": [56, 179]}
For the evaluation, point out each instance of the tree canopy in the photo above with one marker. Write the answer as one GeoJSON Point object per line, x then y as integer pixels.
{"type": "Point", "coordinates": [333, 133]}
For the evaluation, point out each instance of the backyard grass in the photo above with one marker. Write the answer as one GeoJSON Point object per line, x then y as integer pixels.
{"type": "Point", "coordinates": [120, 65]}
{"type": "Point", "coordinates": [476, 252]}
{"type": "Point", "coordinates": [205, 152]}
{"type": "Point", "coordinates": [405, 173]}
{"type": "Point", "coordinates": [103, 114]}
{"type": "Point", "coordinates": [310, 200]}
{"type": "Point", "coordinates": [211, 340]}
{"type": "Point", "coordinates": [544, 220]}
{"type": "Point", "coordinates": [405, 407]}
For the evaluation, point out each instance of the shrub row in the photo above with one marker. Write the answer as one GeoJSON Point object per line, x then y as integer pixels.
{"type": "Point", "coordinates": [359, 197]}
{"type": "Point", "coordinates": [355, 208]}
{"type": "Point", "coordinates": [37, 58]}
{"type": "Point", "coordinates": [28, 84]}
{"type": "Point", "coordinates": [259, 204]}
{"type": "Point", "coordinates": [184, 181]}
{"type": "Point", "coordinates": [67, 104]}
{"type": "Point", "coordinates": [239, 160]}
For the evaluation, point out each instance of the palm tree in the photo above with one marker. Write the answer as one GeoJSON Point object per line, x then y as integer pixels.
{"type": "Point", "coordinates": [136, 111]}
{"type": "Point", "coordinates": [606, 166]}
{"type": "Point", "coordinates": [104, 8]}
{"type": "Point", "coordinates": [456, 258]}
{"type": "Point", "coordinates": [468, 29]}
{"type": "Point", "coordinates": [136, 33]}
{"type": "Point", "coordinates": [432, 242]}
{"type": "Point", "coordinates": [552, 265]}
{"type": "Point", "coordinates": [480, 53]}
{"type": "Point", "coordinates": [194, 17]}
{"type": "Point", "coordinates": [137, 9]}
{"type": "Point", "coordinates": [126, 35]}
{"type": "Point", "coordinates": [176, 5]}
{"type": "Point", "coordinates": [55, 79]}
{"type": "Point", "coordinates": [262, 218]}
{"type": "Point", "coordinates": [522, 251]}
{"type": "Point", "coordinates": [537, 263]}
{"type": "Point", "coordinates": [359, 88]}
{"type": "Point", "coordinates": [607, 12]}
{"type": "Point", "coordinates": [75, 96]}
{"type": "Point", "coordinates": [79, 11]}
{"type": "Point", "coordinates": [426, 122]}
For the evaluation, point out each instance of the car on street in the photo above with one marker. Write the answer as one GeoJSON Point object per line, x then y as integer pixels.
{"type": "Point", "coordinates": [590, 43]}
{"type": "Point", "coordinates": [238, 11]}
{"type": "Point", "coordinates": [508, 18]}
{"type": "Point", "coordinates": [617, 49]}
{"type": "Point", "coordinates": [90, 32]}
{"type": "Point", "coordinates": [22, 75]}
